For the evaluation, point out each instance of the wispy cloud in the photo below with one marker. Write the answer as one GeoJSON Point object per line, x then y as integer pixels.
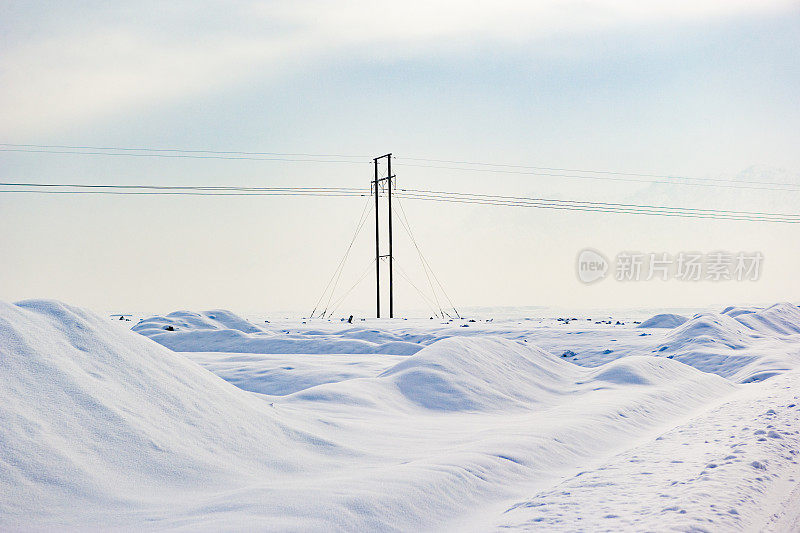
{"type": "Point", "coordinates": [74, 70]}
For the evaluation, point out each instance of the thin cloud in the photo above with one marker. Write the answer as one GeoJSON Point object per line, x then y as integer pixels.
{"type": "Point", "coordinates": [70, 76]}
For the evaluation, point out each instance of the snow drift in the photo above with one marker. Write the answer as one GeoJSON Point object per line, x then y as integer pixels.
{"type": "Point", "coordinates": [486, 374]}
{"type": "Point", "coordinates": [778, 319]}
{"type": "Point", "coordinates": [223, 331]}
{"type": "Point", "coordinates": [456, 375]}
{"type": "Point", "coordinates": [91, 414]}
{"type": "Point", "coordinates": [101, 427]}
{"type": "Point", "coordinates": [743, 344]}
{"type": "Point", "coordinates": [218, 320]}
{"type": "Point", "coordinates": [665, 320]}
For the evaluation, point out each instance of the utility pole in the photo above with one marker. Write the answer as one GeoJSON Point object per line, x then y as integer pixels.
{"type": "Point", "coordinates": [376, 188]}
{"type": "Point", "coordinates": [377, 244]}
{"type": "Point", "coordinates": [391, 257]}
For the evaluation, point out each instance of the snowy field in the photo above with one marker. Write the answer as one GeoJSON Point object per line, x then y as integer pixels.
{"type": "Point", "coordinates": [208, 421]}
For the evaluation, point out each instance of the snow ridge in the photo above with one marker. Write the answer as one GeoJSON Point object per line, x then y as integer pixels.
{"type": "Point", "coordinates": [223, 331]}
{"type": "Point", "coordinates": [742, 344]}
{"type": "Point", "coordinates": [101, 427]}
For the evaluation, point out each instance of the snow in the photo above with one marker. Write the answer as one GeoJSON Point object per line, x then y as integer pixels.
{"type": "Point", "coordinates": [663, 320]}
{"type": "Point", "coordinates": [278, 375]}
{"type": "Point", "coordinates": [91, 415]}
{"type": "Point", "coordinates": [713, 473]}
{"type": "Point", "coordinates": [222, 331]}
{"type": "Point", "coordinates": [742, 345]}
{"type": "Point", "coordinates": [227, 424]}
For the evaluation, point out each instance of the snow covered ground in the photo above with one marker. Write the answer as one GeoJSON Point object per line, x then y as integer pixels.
{"type": "Point", "coordinates": [208, 421]}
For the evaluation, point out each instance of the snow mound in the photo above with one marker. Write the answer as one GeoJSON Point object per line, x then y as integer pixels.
{"type": "Point", "coordinates": [218, 319]}
{"type": "Point", "coordinates": [223, 331]}
{"type": "Point", "coordinates": [496, 374]}
{"type": "Point", "coordinates": [281, 374]}
{"type": "Point", "coordinates": [666, 320]}
{"type": "Point", "coordinates": [780, 319]}
{"type": "Point", "coordinates": [468, 374]}
{"type": "Point", "coordinates": [711, 329]}
{"type": "Point", "coordinates": [91, 413]}
{"type": "Point", "coordinates": [742, 344]}
{"type": "Point", "coordinates": [101, 428]}
{"type": "Point", "coordinates": [642, 370]}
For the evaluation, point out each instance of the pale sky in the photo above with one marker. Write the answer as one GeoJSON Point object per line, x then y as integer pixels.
{"type": "Point", "coordinates": [691, 88]}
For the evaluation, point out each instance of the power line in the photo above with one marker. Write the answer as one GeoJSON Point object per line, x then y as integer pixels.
{"type": "Point", "coordinates": [582, 202]}
{"type": "Point", "coordinates": [194, 187]}
{"type": "Point", "coordinates": [362, 221]}
{"type": "Point", "coordinates": [415, 194]}
{"type": "Point", "coordinates": [465, 198]}
{"type": "Point", "coordinates": [340, 267]}
{"type": "Point", "coordinates": [407, 227]}
{"type": "Point", "coordinates": [425, 265]}
{"type": "Point", "coordinates": [185, 156]}
{"type": "Point", "coordinates": [599, 209]}
{"type": "Point", "coordinates": [725, 183]}
{"type": "Point", "coordinates": [419, 291]}
{"type": "Point", "coordinates": [361, 278]}
{"type": "Point", "coordinates": [188, 193]}
{"type": "Point", "coordinates": [610, 172]}
{"type": "Point", "coordinates": [343, 158]}
{"type": "Point", "coordinates": [195, 190]}
{"type": "Point", "coordinates": [568, 207]}
{"type": "Point", "coordinates": [298, 157]}
{"type": "Point", "coordinates": [177, 150]}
